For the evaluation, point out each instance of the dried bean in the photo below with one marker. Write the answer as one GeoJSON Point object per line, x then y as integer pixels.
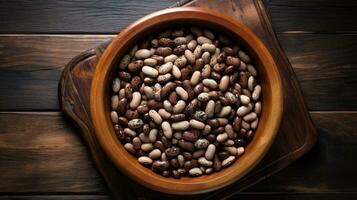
{"type": "Point", "coordinates": [203, 40]}
{"type": "Point", "coordinates": [180, 126]}
{"type": "Point", "coordinates": [188, 103]}
{"type": "Point", "coordinates": [210, 152]}
{"type": "Point", "coordinates": [155, 116]}
{"type": "Point", "coordinates": [190, 56]}
{"type": "Point", "coordinates": [228, 161]}
{"type": "Point", "coordinates": [195, 172]}
{"type": "Point", "coordinates": [166, 128]}
{"type": "Point", "coordinates": [196, 124]}
{"type": "Point", "coordinates": [142, 54]}
{"type": "Point", "coordinates": [150, 71]}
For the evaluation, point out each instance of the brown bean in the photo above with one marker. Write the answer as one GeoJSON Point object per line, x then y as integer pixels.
{"type": "Point", "coordinates": [177, 117]}
{"type": "Point", "coordinates": [136, 143]}
{"type": "Point", "coordinates": [163, 51]}
{"type": "Point", "coordinates": [179, 50]}
{"type": "Point", "coordinates": [198, 153]}
{"type": "Point", "coordinates": [125, 76]}
{"type": "Point", "coordinates": [185, 73]}
{"type": "Point", "coordinates": [217, 164]}
{"type": "Point", "coordinates": [191, 106]}
{"type": "Point", "coordinates": [131, 114]}
{"type": "Point", "coordinates": [219, 67]}
{"type": "Point", "coordinates": [135, 66]}
{"type": "Point", "coordinates": [167, 143]}
{"type": "Point", "coordinates": [165, 42]}
{"type": "Point", "coordinates": [243, 79]}
{"type": "Point", "coordinates": [119, 132]}
{"type": "Point", "coordinates": [167, 89]}
{"type": "Point", "coordinates": [172, 152]}
{"type": "Point", "coordinates": [250, 135]}
{"type": "Point", "coordinates": [218, 130]}
{"type": "Point", "coordinates": [136, 82]}
{"type": "Point", "coordinates": [128, 91]}
{"type": "Point", "coordinates": [122, 106]}
{"type": "Point", "coordinates": [142, 109]}
{"type": "Point", "coordinates": [218, 107]}
{"type": "Point", "coordinates": [159, 145]}
{"type": "Point", "coordinates": [216, 76]}
{"type": "Point", "coordinates": [153, 104]}
{"type": "Point", "coordinates": [160, 165]}
{"type": "Point", "coordinates": [233, 61]}
{"type": "Point", "coordinates": [198, 89]}
{"type": "Point", "coordinates": [199, 63]}
{"type": "Point", "coordinates": [187, 146]}
{"type": "Point", "coordinates": [123, 121]}
{"type": "Point", "coordinates": [213, 123]}
{"type": "Point", "coordinates": [190, 136]}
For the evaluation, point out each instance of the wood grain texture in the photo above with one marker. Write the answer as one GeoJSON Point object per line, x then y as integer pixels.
{"type": "Point", "coordinates": [329, 166]}
{"type": "Point", "coordinates": [326, 68]}
{"type": "Point", "coordinates": [90, 16]}
{"type": "Point", "coordinates": [50, 158]}
{"type": "Point", "coordinates": [291, 15]}
{"type": "Point", "coordinates": [40, 152]}
{"type": "Point", "coordinates": [66, 16]}
{"type": "Point", "coordinates": [55, 197]}
{"type": "Point", "coordinates": [32, 64]}
{"type": "Point", "coordinates": [269, 121]}
{"type": "Point", "coordinates": [317, 16]}
{"type": "Point", "coordinates": [286, 147]}
{"type": "Point", "coordinates": [292, 196]}
{"type": "Point", "coordinates": [243, 196]}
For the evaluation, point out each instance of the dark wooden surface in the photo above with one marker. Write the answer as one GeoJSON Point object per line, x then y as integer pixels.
{"type": "Point", "coordinates": [292, 141]}
{"type": "Point", "coordinates": [41, 155]}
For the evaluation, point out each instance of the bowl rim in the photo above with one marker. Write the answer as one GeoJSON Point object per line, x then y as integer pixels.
{"type": "Point", "coordinates": [100, 118]}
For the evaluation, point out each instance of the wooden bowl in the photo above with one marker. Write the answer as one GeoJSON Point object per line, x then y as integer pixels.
{"type": "Point", "coordinates": [272, 101]}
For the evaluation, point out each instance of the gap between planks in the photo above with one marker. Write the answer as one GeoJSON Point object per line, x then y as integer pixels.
{"type": "Point", "coordinates": [58, 113]}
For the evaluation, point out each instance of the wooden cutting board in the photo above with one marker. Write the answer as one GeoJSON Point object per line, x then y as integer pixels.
{"type": "Point", "coordinates": [295, 137]}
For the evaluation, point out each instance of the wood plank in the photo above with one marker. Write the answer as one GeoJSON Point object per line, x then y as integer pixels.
{"type": "Point", "coordinates": [329, 166]}
{"type": "Point", "coordinates": [31, 65]}
{"type": "Point", "coordinates": [89, 16]}
{"type": "Point", "coordinates": [326, 68]}
{"type": "Point", "coordinates": [41, 153]}
{"type": "Point", "coordinates": [243, 196]}
{"type": "Point", "coordinates": [66, 16]}
{"type": "Point", "coordinates": [284, 196]}
{"type": "Point", "coordinates": [318, 16]}
{"type": "Point", "coordinates": [55, 197]}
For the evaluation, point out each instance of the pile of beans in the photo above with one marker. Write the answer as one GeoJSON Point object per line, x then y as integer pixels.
{"type": "Point", "coordinates": [185, 102]}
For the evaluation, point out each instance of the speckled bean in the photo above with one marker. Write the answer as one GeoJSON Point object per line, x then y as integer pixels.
{"type": "Point", "coordinates": [155, 116]}
{"type": "Point", "coordinates": [165, 68]}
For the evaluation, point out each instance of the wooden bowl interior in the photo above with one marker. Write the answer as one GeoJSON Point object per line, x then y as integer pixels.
{"type": "Point", "coordinates": [265, 133]}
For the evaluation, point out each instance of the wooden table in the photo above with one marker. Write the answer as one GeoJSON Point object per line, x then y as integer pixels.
{"type": "Point", "coordinates": [42, 157]}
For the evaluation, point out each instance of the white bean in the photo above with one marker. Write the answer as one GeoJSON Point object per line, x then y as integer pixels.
{"type": "Point", "coordinates": [256, 92]}
{"type": "Point", "coordinates": [182, 93]}
{"type": "Point", "coordinates": [135, 102]}
{"type": "Point", "coordinates": [176, 72]}
{"type": "Point", "coordinates": [155, 116]}
{"type": "Point", "coordinates": [149, 71]}
{"type": "Point", "coordinates": [166, 128]}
